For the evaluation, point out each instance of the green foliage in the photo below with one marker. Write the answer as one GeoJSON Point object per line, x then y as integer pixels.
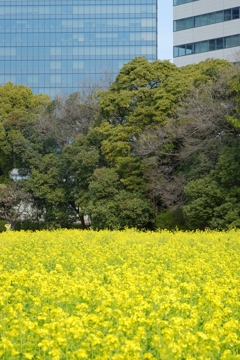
{"type": "Point", "coordinates": [133, 100]}
{"type": "Point", "coordinates": [2, 223]}
{"type": "Point", "coordinates": [44, 181]}
{"type": "Point", "coordinates": [59, 215]}
{"type": "Point", "coordinates": [214, 201]}
{"type": "Point", "coordinates": [81, 158]}
{"type": "Point", "coordinates": [114, 140]}
{"type": "Point", "coordinates": [52, 184]}
{"type": "Point", "coordinates": [207, 71]}
{"type": "Point", "coordinates": [18, 110]}
{"type": "Point", "coordinates": [29, 225]}
{"type": "Point", "coordinates": [234, 119]}
{"type": "Point", "coordinates": [104, 184]}
{"type": "Point", "coordinates": [203, 196]}
{"type": "Point", "coordinates": [127, 154]}
{"type": "Point", "coordinates": [130, 171]}
{"type": "Point", "coordinates": [112, 207]}
{"type": "Point", "coordinates": [124, 209]}
{"type": "Point", "coordinates": [170, 220]}
{"type": "Point", "coordinates": [21, 98]}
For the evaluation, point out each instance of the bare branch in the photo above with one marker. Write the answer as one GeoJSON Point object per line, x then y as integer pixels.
{"type": "Point", "coordinates": [68, 116]}
{"type": "Point", "coordinates": [16, 204]}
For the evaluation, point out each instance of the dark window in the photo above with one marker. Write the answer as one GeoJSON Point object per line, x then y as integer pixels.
{"type": "Point", "coordinates": [212, 45]}
{"type": "Point", "coordinates": [227, 15]}
{"type": "Point", "coordinates": [235, 13]}
{"type": "Point", "coordinates": [219, 43]}
{"type": "Point", "coordinates": [189, 49]}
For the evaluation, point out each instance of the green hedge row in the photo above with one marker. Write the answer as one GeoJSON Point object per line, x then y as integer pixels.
{"type": "Point", "coordinates": [28, 225]}
{"type": "Point", "coordinates": [2, 223]}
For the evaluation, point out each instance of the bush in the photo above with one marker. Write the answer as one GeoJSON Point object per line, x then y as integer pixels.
{"type": "Point", "coordinates": [2, 223]}
{"type": "Point", "coordinates": [28, 225]}
{"type": "Point", "coordinates": [170, 220]}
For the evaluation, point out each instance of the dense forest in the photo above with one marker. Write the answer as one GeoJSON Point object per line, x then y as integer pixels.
{"type": "Point", "coordinates": [159, 148]}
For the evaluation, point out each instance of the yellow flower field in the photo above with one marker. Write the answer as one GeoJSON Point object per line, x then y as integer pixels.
{"type": "Point", "coordinates": [119, 295]}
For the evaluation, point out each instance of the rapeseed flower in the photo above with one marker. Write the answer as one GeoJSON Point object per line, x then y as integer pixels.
{"type": "Point", "coordinates": [119, 295]}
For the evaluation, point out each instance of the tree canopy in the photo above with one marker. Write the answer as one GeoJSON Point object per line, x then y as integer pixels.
{"type": "Point", "coordinates": [158, 148]}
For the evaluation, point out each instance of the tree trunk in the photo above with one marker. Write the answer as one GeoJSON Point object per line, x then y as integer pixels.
{"type": "Point", "coordinates": [82, 221]}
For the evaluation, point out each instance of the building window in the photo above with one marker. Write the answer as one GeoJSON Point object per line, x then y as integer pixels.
{"type": "Point", "coordinates": [181, 2]}
{"type": "Point", "coordinates": [206, 19]}
{"type": "Point", "coordinates": [207, 45]}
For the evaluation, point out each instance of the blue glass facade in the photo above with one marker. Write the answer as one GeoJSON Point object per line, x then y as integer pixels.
{"type": "Point", "coordinates": [56, 45]}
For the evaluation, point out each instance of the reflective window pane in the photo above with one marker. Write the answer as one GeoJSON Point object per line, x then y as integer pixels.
{"type": "Point", "coordinates": [227, 15]}
{"type": "Point", "coordinates": [181, 50]}
{"type": "Point", "coordinates": [197, 47]}
{"type": "Point", "coordinates": [219, 16]}
{"type": "Point", "coordinates": [235, 40]}
{"type": "Point", "coordinates": [175, 51]}
{"type": "Point", "coordinates": [204, 19]}
{"type": "Point", "coordinates": [204, 46]}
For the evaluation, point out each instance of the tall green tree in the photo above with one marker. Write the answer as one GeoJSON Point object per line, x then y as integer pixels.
{"type": "Point", "coordinates": [214, 200]}
{"type": "Point", "coordinates": [81, 159]}
{"type": "Point", "coordinates": [18, 111]}
{"type": "Point", "coordinates": [112, 207]}
{"type": "Point", "coordinates": [234, 116]}
{"type": "Point", "coordinates": [21, 98]}
{"type": "Point", "coordinates": [188, 145]}
{"type": "Point", "coordinates": [126, 155]}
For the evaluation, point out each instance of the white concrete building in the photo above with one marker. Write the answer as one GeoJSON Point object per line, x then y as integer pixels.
{"type": "Point", "coordinates": [205, 29]}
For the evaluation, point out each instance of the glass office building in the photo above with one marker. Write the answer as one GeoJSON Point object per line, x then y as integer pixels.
{"type": "Point", "coordinates": [56, 45]}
